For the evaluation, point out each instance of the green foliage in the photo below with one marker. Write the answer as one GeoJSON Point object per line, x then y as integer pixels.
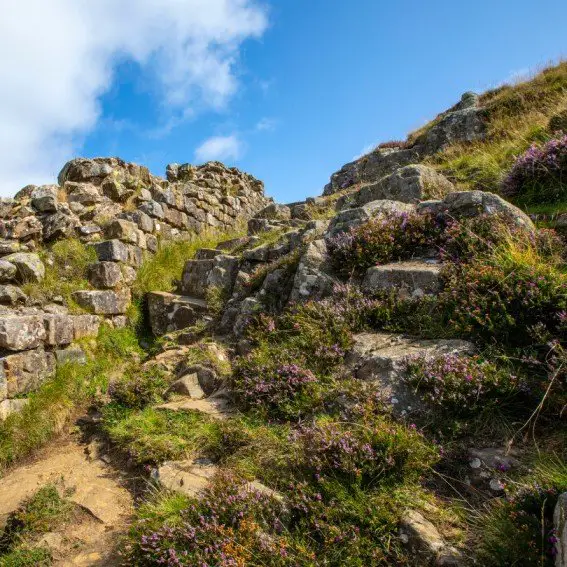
{"type": "Point", "coordinates": [66, 264]}
{"type": "Point", "coordinates": [138, 388]}
{"type": "Point", "coordinates": [27, 557]}
{"type": "Point", "coordinates": [73, 386]}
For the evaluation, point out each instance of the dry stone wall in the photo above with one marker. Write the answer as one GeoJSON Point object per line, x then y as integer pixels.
{"type": "Point", "coordinates": [122, 211]}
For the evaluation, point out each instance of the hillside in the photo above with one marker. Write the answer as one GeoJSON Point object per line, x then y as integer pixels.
{"type": "Point", "coordinates": [193, 374]}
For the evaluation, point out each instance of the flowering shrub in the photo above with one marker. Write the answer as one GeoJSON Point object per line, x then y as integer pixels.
{"type": "Point", "coordinates": [488, 302]}
{"type": "Point", "coordinates": [274, 388]}
{"type": "Point", "coordinates": [233, 525]}
{"type": "Point", "coordinates": [539, 175]}
{"type": "Point", "coordinates": [385, 239]}
{"type": "Point", "coordinates": [370, 449]}
{"type": "Point", "coordinates": [459, 382]}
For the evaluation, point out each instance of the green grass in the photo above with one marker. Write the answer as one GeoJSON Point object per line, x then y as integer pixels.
{"type": "Point", "coordinates": [160, 271]}
{"type": "Point", "coordinates": [73, 387]}
{"type": "Point", "coordinates": [43, 512]}
{"type": "Point", "coordinates": [66, 264]}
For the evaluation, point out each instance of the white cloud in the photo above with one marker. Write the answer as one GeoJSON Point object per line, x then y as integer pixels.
{"type": "Point", "coordinates": [266, 125]}
{"type": "Point", "coordinates": [220, 148]}
{"type": "Point", "coordinates": [58, 57]}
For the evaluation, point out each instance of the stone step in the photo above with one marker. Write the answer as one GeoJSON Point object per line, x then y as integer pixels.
{"type": "Point", "coordinates": [216, 406]}
{"type": "Point", "coordinates": [194, 278]}
{"type": "Point", "coordinates": [414, 278]}
{"type": "Point", "coordinates": [170, 312]}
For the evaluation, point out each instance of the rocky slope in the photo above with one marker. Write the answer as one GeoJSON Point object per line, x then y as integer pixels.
{"type": "Point", "coordinates": [371, 377]}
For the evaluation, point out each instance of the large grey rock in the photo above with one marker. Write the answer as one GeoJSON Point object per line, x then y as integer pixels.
{"type": "Point", "coordinates": [44, 199]}
{"type": "Point", "coordinates": [461, 126]}
{"type": "Point", "coordinates": [70, 355]}
{"type": "Point", "coordinates": [560, 525]}
{"type": "Point", "coordinates": [104, 275]}
{"type": "Point", "coordinates": [189, 477]}
{"type": "Point", "coordinates": [474, 203]}
{"type": "Point", "coordinates": [123, 230]}
{"type": "Point", "coordinates": [29, 267]}
{"type": "Point", "coordinates": [152, 209]}
{"type": "Point", "coordinates": [111, 251]}
{"type": "Point", "coordinates": [351, 218]}
{"type": "Point", "coordinates": [11, 295]}
{"type": "Point", "coordinates": [194, 280]}
{"type": "Point", "coordinates": [83, 193]}
{"type": "Point", "coordinates": [169, 312]}
{"type": "Point", "coordinates": [21, 332]}
{"type": "Point", "coordinates": [81, 170]}
{"type": "Point", "coordinates": [187, 385]}
{"type": "Point", "coordinates": [103, 302]}
{"type": "Point", "coordinates": [25, 371]}
{"type": "Point", "coordinates": [380, 358]}
{"type": "Point", "coordinates": [7, 271]}
{"type": "Point", "coordinates": [425, 541]}
{"type": "Point", "coordinates": [85, 326]}
{"type": "Point", "coordinates": [313, 278]}
{"type": "Point", "coordinates": [275, 211]}
{"type": "Point", "coordinates": [409, 184]}
{"type": "Point", "coordinates": [9, 247]}
{"type": "Point", "coordinates": [223, 274]}
{"type": "Point", "coordinates": [371, 167]}
{"type": "Point", "coordinates": [412, 278]}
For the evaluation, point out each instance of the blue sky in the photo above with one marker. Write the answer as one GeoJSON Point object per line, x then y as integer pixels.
{"type": "Point", "coordinates": [294, 88]}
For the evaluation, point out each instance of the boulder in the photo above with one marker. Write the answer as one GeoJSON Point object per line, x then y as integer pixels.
{"type": "Point", "coordinates": [123, 230]}
{"type": "Point", "coordinates": [412, 278]}
{"type": "Point", "coordinates": [25, 371]}
{"type": "Point", "coordinates": [44, 199]}
{"type": "Point", "coordinates": [29, 267]}
{"type": "Point", "coordinates": [380, 358]}
{"type": "Point", "coordinates": [351, 218]}
{"type": "Point", "coordinates": [313, 278]}
{"type": "Point", "coordinates": [274, 211]}
{"type": "Point", "coordinates": [560, 525]}
{"type": "Point", "coordinates": [425, 541]}
{"type": "Point", "coordinates": [223, 274]}
{"type": "Point", "coordinates": [9, 247]}
{"type": "Point", "coordinates": [103, 302]}
{"type": "Point", "coordinates": [7, 271]}
{"type": "Point", "coordinates": [104, 275]}
{"type": "Point", "coordinates": [194, 280]}
{"type": "Point", "coordinates": [111, 251]}
{"type": "Point", "coordinates": [61, 224]}
{"type": "Point", "coordinates": [152, 209]}
{"type": "Point", "coordinates": [11, 295]}
{"type": "Point", "coordinates": [409, 184]}
{"type": "Point", "coordinates": [189, 477]}
{"type": "Point", "coordinates": [81, 170]}
{"type": "Point", "coordinates": [82, 193]}
{"type": "Point", "coordinates": [21, 332]}
{"type": "Point", "coordinates": [474, 203]}
{"type": "Point", "coordinates": [24, 229]}
{"type": "Point", "coordinates": [169, 312]}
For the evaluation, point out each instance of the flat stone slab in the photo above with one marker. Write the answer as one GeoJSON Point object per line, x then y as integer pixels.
{"type": "Point", "coordinates": [216, 406]}
{"type": "Point", "coordinates": [414, 278]}
{"type": "Point", "coordinates": [189, 477]}
{"type": "Point", "coordinates": [170, 312]}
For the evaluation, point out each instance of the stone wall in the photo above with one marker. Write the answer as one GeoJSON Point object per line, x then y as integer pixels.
{"type": "Point", "coordinates": [121, 210]}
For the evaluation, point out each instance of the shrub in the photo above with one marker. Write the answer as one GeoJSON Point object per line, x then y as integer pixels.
{"type": "Point", "coordinates": [139, 388]}
{"type": "Point", "coordinates": [459, 383]}
{"type": "Point", "coordinates": [540, 173]}
{"type": "Point", "coordinates": [385, 239]}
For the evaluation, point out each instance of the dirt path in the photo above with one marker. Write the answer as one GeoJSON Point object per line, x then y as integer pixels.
{"type": "Point", "coordinates": [94, 485]}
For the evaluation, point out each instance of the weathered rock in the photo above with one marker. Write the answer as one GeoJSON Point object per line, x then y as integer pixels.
{"type": "Point", "coordinates": [25, 371]}
{"type": "Point", "coordinates": [187, 385]}
{"type": "Point", "coordinates": [314, 277]}
{"type": "Point", "coordinates": [103, 302]}
{"type": "Point", "coordinates": [207, 378]}
{"type": "Point", "coordinates": [11, 295]}
{"type": "Point", "coordinates": [104, 275]}
{"type": "Point", "coordinates": [409, 184]}
{"type": "Point", "coordinates": [187, 477]}
{"type": "Point", "coordinates": [123, 230]}
{"type": "Point", "coordinates": [381, 357]}
{"type": "Point", "coordinates": [412, 278]}
{"type": "Point", "coordinates": [8, 407]}
{"type": "Point", "coordinates": [61, 224]}
{"type": "Point", "coordinates": [473, 203]}
{"type": "Point", "coordinates": [195, 276]}
{"type": "Point", "coordinates": [560, 525]}
{"type": "Point", "coordinates": [351, 218]}
{"type": "Point", "coordinates": [85, 326]}
{"type": "Point", "coordinates": [29, 267]}
{"type": "Point", "coordinates": [9, 247]}
{"type": "Point", "coordinates": [223, 274]}
{"type": "Point", "coordinates": [425, 541]}
{"type": "Point", "coordinates": [21, 332]}
{"type": "Point", "coordinates": [23, 229]}
{"type": "Point", "coordinates": [169, 312]}
{"type": "Point", "coordinates": [7, 205]}
{"type": "Point", "coordinates": [82, 193]}
{"type": "Point", "coordinates": [81, 169]}
{"type": "Point", "coordinates": [152, 209]}
{"type": "Point", "coordinates": [59, 329]}
{"type": "Point", "coordinates": [44, 199]}
{"type": "Point", "coordinates": [7, 271]}
{"type": "Point", "coordinates": [275, 211]}
{"type": "Point", "coordinates": [111, 251]}
{"type": "Point", "coordinates": [70, 355]}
